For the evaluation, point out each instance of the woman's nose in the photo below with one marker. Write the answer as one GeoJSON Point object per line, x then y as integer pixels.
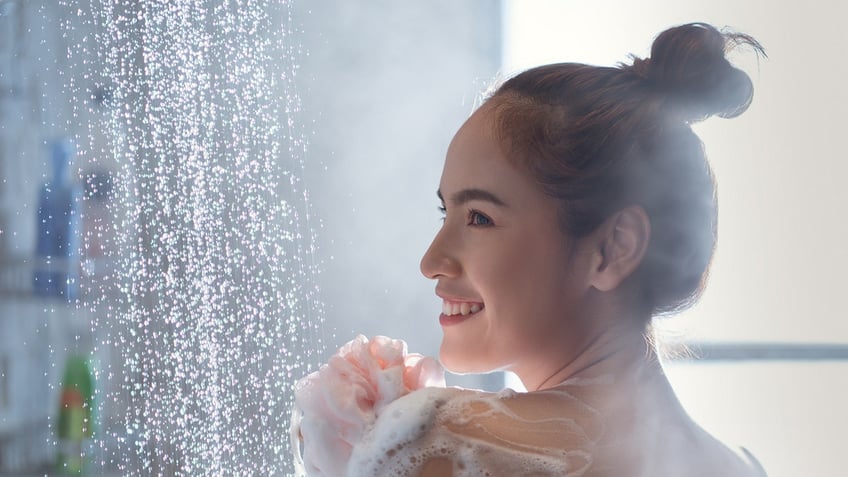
{"type": "Point", "coordinates": [438, 261]}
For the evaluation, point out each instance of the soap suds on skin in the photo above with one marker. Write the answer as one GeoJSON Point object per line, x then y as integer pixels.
{"type": "Point", "coordinates": [479, 433]}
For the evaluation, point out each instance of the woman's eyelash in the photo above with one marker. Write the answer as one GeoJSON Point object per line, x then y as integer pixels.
{"type": "Point", "coordinates": [444, 212]}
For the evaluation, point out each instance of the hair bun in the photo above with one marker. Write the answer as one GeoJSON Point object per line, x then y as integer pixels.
{"type": "Point", "coordinates": [688, 64]}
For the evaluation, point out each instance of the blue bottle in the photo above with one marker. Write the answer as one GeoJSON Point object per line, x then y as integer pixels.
{"type": "Point", "coordinates": [57, 247]}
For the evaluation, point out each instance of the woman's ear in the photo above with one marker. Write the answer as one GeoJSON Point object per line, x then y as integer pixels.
{"type": "Point", "coordinates": [621, 242]}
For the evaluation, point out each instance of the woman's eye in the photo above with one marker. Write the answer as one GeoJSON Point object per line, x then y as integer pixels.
{"type": "Point", "coordinates": [477, 219]}
{"type": "Point", "coordinates": [443, 211]}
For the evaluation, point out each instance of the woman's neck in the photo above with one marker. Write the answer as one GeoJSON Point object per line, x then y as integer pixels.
{"type": "Point", "coordinates": [618, 352]}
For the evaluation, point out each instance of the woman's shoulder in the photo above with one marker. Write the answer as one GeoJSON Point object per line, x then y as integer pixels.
{"type": "Point", "coordinates": [507, 432]}
{"type": "Point", "coordinates": [750, 462]}
{"type": "Point", "coordinates": [702, 454]}
{"type": "Point", "coordinates": [732, 462]}
{"type": "Point", "coordinates": [455, 432]}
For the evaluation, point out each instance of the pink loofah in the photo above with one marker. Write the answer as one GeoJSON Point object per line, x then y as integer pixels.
{"type": "Point", "coordinates": [335, 405]}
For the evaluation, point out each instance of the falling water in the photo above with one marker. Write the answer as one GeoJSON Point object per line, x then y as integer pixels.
{"type": "Point", "coordinates": [209, 310]}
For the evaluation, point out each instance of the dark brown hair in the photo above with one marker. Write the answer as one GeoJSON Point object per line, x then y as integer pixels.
{"type": "Point", "coordinates": [600, 139]}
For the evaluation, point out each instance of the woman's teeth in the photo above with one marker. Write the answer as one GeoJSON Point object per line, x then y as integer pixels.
{"type": "Point", "coordinates": [449, 308]}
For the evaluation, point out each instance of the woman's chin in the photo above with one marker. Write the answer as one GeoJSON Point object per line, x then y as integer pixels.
{"type": "Point", "coordinates": [451, 362]}
{"type": "Point", "coordinates": [460, 363]}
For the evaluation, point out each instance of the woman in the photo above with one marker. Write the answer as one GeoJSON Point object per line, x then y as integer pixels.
{"type": "Point", "coordinates": [578, 205]}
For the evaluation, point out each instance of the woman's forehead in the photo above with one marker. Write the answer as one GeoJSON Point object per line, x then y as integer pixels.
{"type": "Point", "coordinates": [476, 162]}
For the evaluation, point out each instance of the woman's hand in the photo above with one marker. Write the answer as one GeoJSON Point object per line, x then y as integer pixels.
{"type": "Point", "coordinates": [336, 404]}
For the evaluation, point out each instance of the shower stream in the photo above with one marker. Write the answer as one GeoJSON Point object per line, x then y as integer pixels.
{"type": "Point", "coordinates": [208, 309]}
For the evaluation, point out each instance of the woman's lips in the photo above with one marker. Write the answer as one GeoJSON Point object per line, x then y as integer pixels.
{"type": "Point", "coordinates": [454, 312]}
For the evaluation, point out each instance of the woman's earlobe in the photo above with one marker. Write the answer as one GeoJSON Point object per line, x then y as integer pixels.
{"type": "Point", "coordinates": [622, 242]}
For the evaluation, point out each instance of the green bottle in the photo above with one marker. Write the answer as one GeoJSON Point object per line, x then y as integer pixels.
{"type": "Point", "coordinates": [75, 424]}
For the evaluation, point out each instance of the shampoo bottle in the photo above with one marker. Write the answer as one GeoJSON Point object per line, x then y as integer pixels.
{"type": "Point", "coordinates": [76, 422]}
{"type": "Point", "coordinates": [58, 243]}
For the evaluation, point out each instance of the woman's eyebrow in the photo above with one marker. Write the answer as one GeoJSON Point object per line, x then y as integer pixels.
{"type": "Point", "coordinates": [467, 195]}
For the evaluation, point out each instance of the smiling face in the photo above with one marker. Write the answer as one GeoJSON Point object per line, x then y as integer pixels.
{"type": "Point", "coordinates": [514, 286]}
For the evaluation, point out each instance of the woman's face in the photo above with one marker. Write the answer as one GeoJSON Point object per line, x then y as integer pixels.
{"type": "Point", "coordinates": [511, 282]}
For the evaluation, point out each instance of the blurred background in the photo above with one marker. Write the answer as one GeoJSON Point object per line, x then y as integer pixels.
{"type": "Point", "coordinates": [366, 97]}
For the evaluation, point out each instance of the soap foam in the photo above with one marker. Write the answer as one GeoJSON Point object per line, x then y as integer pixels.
{"type": "Point", "coordinates": [477, 434]}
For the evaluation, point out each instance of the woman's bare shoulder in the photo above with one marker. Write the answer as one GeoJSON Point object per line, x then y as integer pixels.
{"type": "Point", "coordinates": [729, 462]}
{"type": "Point", "coordinates": [507, 433]}
{"type": "Point", "coordinates": [697, 453]}
{"type": "Point", "coordinates": [455, 432]}
{"type": "Point", "coordinates": [751, 463]}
